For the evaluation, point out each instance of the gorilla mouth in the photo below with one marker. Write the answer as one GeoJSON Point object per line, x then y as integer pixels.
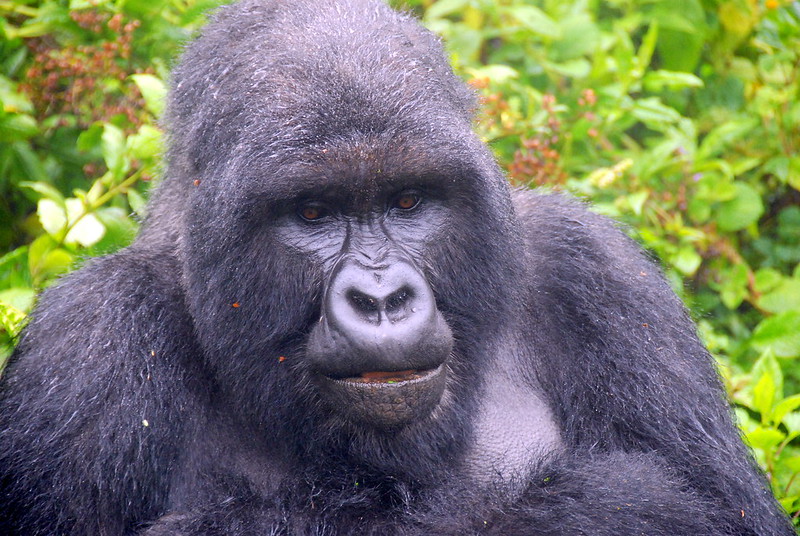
{"type": "Point", "coordinates": [390, 377]}
{"type": "Point", "coordinates": [385, 399]}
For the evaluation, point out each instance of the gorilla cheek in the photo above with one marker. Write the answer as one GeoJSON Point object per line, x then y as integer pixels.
{"type": "Point", "coordinates": [379, 352]}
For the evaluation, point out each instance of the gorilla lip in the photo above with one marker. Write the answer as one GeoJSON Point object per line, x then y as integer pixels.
{"type": "Point", "coordinates": [389, 376]}
{"type": "Point", "coordinates": [386, 399]}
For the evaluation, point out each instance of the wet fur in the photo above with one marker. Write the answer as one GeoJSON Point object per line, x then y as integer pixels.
{"type": "Point", "coordinates": [140, 400]}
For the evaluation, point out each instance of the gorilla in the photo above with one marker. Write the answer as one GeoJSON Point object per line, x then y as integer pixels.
{"type": "Point", "coordinates": [338, 318]}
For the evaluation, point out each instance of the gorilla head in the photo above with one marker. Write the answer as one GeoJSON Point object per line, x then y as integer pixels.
{"type": "Point", "coordinates": [345, 237]}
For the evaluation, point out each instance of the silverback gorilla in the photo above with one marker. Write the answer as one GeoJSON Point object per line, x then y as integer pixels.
{"type": "Point", "coordinates": [339, 319]}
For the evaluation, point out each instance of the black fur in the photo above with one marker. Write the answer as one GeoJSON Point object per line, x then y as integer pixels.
{"type": "Point", "coordinates": [165, 390]}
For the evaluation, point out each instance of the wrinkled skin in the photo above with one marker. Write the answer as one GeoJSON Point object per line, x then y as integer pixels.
{"type": "Point", "coordinates": [339, 319]}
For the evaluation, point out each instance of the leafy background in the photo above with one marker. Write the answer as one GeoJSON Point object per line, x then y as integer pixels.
{"type": "Point", "coordinates": [680, 118]}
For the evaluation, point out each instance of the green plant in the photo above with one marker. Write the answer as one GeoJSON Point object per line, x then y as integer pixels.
{"type": "Point", "coordinates": [81, 88]}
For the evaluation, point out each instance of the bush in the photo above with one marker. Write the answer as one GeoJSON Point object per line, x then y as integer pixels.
{"type": "Point", "coordinates": [678, 117]}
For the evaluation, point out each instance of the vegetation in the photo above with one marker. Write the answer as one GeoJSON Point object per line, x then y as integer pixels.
{"type": "Point", "coordinates": [680, 118]}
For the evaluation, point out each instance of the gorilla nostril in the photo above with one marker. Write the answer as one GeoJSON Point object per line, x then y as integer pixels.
{"type": "Point", "coordinates": [362, 302]}
{"type": "Point", "coordinates": [396, 306]}
{"type": "Point", "coordinates": [399, 299]}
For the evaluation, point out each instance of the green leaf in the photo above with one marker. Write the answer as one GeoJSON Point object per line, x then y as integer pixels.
{"type": "Point", "coordinates": [785, 297]}
{"type": "Point", "coordinates": [655, 114]}
{"type": "Point", "coordinates": [45, 190]}
{"type": "Point", "coordinates": [536, 21]}
{"type": "Point", "coordinates": [577, 68]}
{"type": "Point", "coordinates": [11, 319]}
{"type": "Point", "coordinates": [137, 202]}
{"type": "Point", "coordinates": [11, 99]}
{"type": "Point", "coordinates": [146, 143]}
{"type": "Point", "coordinates": [443, 8]}
{"type": "Point", "coordinates": [17, 127]}
{"type": "Point", "coordinates": [793, 174]}
{"type": "Point", "coordinates": [792, 422]}
{"type": "Point", "coordinates": [495, 73]}
{"type": "Point", "coordinates": [465, 42]}
{"type": "Point", "coordinates": [716, 186]}
{"type": "Point", "coordinates": [645, 53]}
{"type": "Point", "coordinates": [153, 91]}
{"type": "Point", "coordinates": [659, 80]}
{"type": "Point", "coordinates": [52, 216]}
{"type": "Point", "coordinates": [85, 228]}
{"type": "Point", "coordinates": [767, 365]}
{"type": "Point", "coordinates": [579, 36]}
{"type": "Point", "coordinates": [686, 260]}
{"type": "Point", "coordinates": [20, 297]}
{"type": "Point", "coordinates": [784, 407]}
{"type": "Point", "coordinates": [12, 273]}
{"type": "Point", "coordinates": [120, 230]}
{"type": "Point", "coordinates": [741, 211]}
{"type": "Point", "coordinates": [764, 396]}
{"type": "Point", "coordinates": [113, 142]}
{"type": "Point", "coordinates": [737, 17]}
{"type": "Point", "coordinates": [780, 334]}
{"type": "Point", "coordinates": [46, 259]}
{"type": "Point", "coordinates": [35, 29]}
{"type": "Point", "coordinates": [764, 438]}
{"type": "Point", "coordinates": [791, 463]}
{"type": "Point", "coordinates": [723, 135]}
{"type": "Point", "coordinates": [90, 138]}
{"type": "Point", "coordinates": [734, 289]}
{"type": "Point", "coordinates": [699, 209]}
{"type": "Point", "coordinates": [636, 201]}
{"type": "Point", "coordinates": [682, 31]}
{"type": "Point", "coordinates": [86, 4]}
{"type": "Point", "coordinates": [768, 279]}
{"type": "Point", "coordinates": [29, 162]}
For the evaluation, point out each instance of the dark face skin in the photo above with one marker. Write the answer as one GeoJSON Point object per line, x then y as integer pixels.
{"type": "Point", "coordinates": [379, 353]}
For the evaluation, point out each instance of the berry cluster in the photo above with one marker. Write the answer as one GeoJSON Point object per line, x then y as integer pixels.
{"type": "Point", "coordinates": [84, 83]}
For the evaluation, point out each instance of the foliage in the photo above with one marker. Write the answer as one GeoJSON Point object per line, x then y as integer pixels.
{"type": "Point", "coordinates": [679, 117]}
{"type": "Point", "coordinates": [81, 86]}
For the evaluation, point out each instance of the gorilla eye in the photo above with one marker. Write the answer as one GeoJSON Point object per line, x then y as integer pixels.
{"type": "Point", "coordinates": [406, 201]}
{"type": "Point", "coordinates": [311, 213]}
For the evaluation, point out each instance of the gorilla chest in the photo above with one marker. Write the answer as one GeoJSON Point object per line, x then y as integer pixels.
{"type": "Point", "coordinates": [514, 432]}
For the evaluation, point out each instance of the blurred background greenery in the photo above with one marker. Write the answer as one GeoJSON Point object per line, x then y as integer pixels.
{"type": "Point", "coordinates": [680, 118]}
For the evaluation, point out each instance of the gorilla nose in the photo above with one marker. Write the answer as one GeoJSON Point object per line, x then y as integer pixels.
{"type": "Point", "coordinates": [379, 319]}
{"type": "Point", "coordinates": [383, 303]}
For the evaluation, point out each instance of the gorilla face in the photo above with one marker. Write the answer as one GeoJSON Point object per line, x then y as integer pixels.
{"type": "Point", "coordinates": [379, 350]}
{"type": "Point", "coordinates": [346, 263]}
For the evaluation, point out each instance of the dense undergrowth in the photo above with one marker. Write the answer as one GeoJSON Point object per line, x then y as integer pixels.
{"type": "Point", "coordinates": [680, 118]}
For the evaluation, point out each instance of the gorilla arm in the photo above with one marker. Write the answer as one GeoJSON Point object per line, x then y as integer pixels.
{"type": "Point", "coordinates": [92, 398]}
{"type": "Point", "coordinates": [622, 368]}
{"type": "Point", "coordinates": [602, 495]}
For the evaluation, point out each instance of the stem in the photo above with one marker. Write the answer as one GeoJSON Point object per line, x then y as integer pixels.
{"type": "Point", "coordinates": [789, 485]}
{"type": "Point", "coordinates": [102, 200]}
